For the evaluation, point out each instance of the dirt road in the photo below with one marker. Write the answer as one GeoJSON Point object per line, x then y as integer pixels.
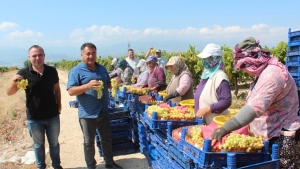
{"type": "Point", "coordinates": [70, 138]}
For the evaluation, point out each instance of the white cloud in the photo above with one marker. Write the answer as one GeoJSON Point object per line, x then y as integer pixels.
{"type": "Point", "coordinates": [25, 34]}
{"type": "Point", "coordinates": [4, 26]}
{"type": "Point", "coordinates": [108, 35]}
{"type": "Point", "coordinates": [23, 38]}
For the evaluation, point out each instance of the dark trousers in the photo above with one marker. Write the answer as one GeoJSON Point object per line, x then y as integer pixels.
{"type": "Point", "coordinates": [88, 127]}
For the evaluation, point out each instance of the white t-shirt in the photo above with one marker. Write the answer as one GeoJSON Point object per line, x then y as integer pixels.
{"type": "Point", "coordinates": [133, 64]}
{"type": "Point", "coordinates": [162, 61]}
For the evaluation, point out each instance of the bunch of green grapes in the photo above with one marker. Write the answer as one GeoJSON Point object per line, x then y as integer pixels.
{"type": "Point", "coordinates": [196, 137]}
{"type": "Point", "coordinates": [133, 80]}
{"type": "Point", "coordinates": [241, 143]}
{"type": "Point", "coordinates": [114, 86]}
{"type": "Point", "coordinates": [22, 84]}
{"type": "Point", "coordinates": [99, 90]}
{"type": "Point", "coordinates": [160, 111]}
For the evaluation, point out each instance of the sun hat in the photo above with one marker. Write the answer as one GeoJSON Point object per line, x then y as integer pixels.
{"type": "Point", "coordinates": [211, 50]}
{"type": "Point", "coordinates": [150, 58]}
{"type": "Point", "coordinates": [141, 63]}
{"type": "Point", "coordinates": [114, 61]}
{"type": "Point", "coordinates": [157, 50]}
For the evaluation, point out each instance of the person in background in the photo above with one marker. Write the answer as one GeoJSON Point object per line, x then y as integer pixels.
{"type": "Point", "coordinates": [132, 61]}
{"type": "Point", "coordinates": [161, 60]}
{"type": "Point", "coordinates": [180, 86]}
{"type": "Point", "coordinates": [93, 113]}
{"type": "Point", "coordinates": [213, 95]}
{"type": "Point", "coordinates": [144, 73]}
{"type": "Point", "coordinates": [272, 103]}
{"type": "Point", "coordinates": [115, 70]}
{"type": "Point", "coordinates": [43, 105]}
{"type": "Point", "coordinates": [157, 78]}
{"type": "Point", "coordinates": [125, 74]}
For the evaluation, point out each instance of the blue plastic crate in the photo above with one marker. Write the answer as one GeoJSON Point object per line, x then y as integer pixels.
{"type": "Point", "coordinates": [73, 104]}
{"type": "Point", "coordinates": [163, 153]}
{"type": "Point", "coordinates": [291, 63]}
{"type": "Point", "coordinates": [160, 138]}
{"type": "Point", "coordinates": [118, 136]}
{"type": "Point", "coordinates": [293, 48]}
{"type": "Point", "coordinates": [173, 142]}
{"type": "Point", "coordinates": [273, 164]}
{"type": "Point", "coordinates": [293, 53]}
{"type": "Point", "coordinates": [162, 124]}
{"type": "Point", "coordinates": [294, 69]}
{"type": "Point", "coordinates": [120, 149]}
{"type": "Point", "coordinates": [294, 43]}
{"type": "Point", "coordinates": [117, 113]}
{"type": "Point", "coordinates": [186, 163]}
{"type": "Point", "coordinates": [152, 151]}
{"type": "Point", "coordinates": [294, 39]}
{"type": "Point", "coordinates": [205, 158]}
{"type": "Point", "coordinates": [121, 124]}
{"type": "Point", "coordinates": [155, 165]}
{"type": "Point", "coordinates": [175, 165]}
{"type": "Point", "coordinates": [294, 33]}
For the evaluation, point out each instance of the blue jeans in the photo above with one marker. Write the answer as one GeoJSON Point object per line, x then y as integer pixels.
{"type": "Point", "coordinates": [37, 130]}
{"type": "Point", "coordinates": [88, 127]}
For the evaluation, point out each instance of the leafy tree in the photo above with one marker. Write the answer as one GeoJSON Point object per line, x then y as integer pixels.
{"type": "Point", "coordinates": [26, 63]}
{"type": "Point", "coordinates": [280, 51]}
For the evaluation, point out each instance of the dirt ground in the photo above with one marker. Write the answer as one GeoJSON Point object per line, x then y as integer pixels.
{"type": "Point", "coordinates": [18, 141]}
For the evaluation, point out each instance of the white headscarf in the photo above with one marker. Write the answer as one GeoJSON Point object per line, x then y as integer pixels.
{"type": "Point", "coordinates": [142, 65]}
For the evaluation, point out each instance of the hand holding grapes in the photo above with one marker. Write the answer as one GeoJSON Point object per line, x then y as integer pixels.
{"type": "Point", "coordinates": [17, 78]}
{"type": "Point", "coordinates": [93, 84]}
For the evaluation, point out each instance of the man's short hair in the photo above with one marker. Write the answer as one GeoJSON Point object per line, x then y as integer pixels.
{"type": "Point", "coordinates": [36, 46]}
{"type": "Point", "coordinates": [130, 50]}
{"type": "Point", "coordinates": [89, 45]}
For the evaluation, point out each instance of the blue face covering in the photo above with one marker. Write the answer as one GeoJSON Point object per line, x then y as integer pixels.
{"type": "Point", "coordinates": [211, 66]}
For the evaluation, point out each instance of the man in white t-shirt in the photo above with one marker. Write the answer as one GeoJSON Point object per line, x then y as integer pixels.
{"type": "Point", "coordinates": [132, 61]}
{"type": "Point", "coordinates": [161, 60]}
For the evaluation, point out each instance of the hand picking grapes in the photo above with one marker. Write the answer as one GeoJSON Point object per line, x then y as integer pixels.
{"type": "Point", "coordinates": [99, 90]}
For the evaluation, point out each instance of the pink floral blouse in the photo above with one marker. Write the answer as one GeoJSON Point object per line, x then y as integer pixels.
{"type": "Point", "coordinates": [275, 103]}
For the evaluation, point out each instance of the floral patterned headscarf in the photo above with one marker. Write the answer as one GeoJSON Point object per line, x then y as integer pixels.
{"type": "Point", "coordinates": [249, 55]}
{"type": "Point", "coordinates": [211, 66]}
{"type": "Point", "coordinates": [178, 64]}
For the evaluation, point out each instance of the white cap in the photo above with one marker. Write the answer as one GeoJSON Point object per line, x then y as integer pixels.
{"type": "Point", "coordinates": [211, 50]}
{"type": "Point", "coordinates": [114, 61]}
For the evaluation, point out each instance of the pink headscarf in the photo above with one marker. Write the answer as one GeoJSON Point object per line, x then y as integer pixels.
{"type": "Point", "coordinates": [250, 56]}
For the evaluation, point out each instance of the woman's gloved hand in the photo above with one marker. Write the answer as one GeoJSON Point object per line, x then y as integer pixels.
{"type": "Point", "coordinates": [219, 133]}
{"type": "Point", "coordinates": [171, 96]}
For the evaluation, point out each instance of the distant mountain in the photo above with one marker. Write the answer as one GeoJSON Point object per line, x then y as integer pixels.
{"type": "Point", "coordinates": [14, 56]}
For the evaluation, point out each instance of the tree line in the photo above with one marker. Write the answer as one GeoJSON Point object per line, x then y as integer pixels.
{"type": "Point", "coordinates": [193, 62]}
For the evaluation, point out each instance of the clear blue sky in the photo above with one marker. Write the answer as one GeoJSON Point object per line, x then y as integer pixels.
{"type": "Point", "coordinates": [166, 24]}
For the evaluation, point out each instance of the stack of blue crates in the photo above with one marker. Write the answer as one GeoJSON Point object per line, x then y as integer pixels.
{"type": "Point", "coordinates": [293, 56]}
{"type": "Point", "coordinates": [122, 125]}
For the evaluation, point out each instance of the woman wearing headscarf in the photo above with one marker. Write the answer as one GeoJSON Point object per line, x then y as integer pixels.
{"type": "Point", "coordinates": [114, 72]}
{"type": "Point", "coordinates": [157, 78]}
{"type": "Point", "coordinates": [125, 72]}
{"type": "Point", "coordinates": [271, 105]}
{"type": "Point", "coordinates": [180, 86]}
{"type": "Point", "coordinates": [144, 73]}
{"type": "Point", "coordinates": [213, 95]}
